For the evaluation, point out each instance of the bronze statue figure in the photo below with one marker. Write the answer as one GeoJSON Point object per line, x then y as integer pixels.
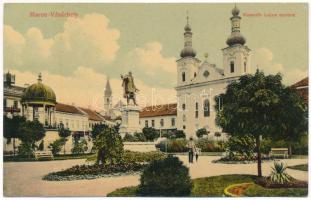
{"type": "Point", "coordinates": [129, 88]}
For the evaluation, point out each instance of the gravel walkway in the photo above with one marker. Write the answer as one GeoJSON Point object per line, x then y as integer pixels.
{"type": "Point", "coordinates": [24, 178]}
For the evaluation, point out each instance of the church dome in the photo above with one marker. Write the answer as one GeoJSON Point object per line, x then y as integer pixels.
{"type": "Point", "coordinates": [39, 93]}
{"type": "Point", "coordinates": [187, 27]}
{"type": "Point", "coordinates": [188, 51]}
{"type": "Point", "coordinates": [236, 38]}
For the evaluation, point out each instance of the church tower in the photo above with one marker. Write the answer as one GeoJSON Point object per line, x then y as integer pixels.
{"type": "Point", "coordinates": [188, 63]}
{"type": "Point", "coordinates": [236, 57]}
{"type": "Point", "coordinates": [107, 98]}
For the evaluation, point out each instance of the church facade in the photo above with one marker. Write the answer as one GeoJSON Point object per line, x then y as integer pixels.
{"type": "Point", "coordinates": [199, 83]}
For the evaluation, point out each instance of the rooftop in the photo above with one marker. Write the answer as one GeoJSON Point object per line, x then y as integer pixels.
{"type": "Point", "coordinates": [159, 110]}
{"type": "Point", "coordinates": [93, 115]}
{"type": "Point", "coordinates": [60, 107]}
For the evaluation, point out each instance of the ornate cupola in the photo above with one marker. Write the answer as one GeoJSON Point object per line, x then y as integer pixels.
{"type": "Point", "coordinates": [187, 51]}
{"type": "Point", "coordinates": [235, 37]}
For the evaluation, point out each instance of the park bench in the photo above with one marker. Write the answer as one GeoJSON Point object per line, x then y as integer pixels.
{"type": "Point", "coordinates": [43, 155]}
{"type": "Point", "coordinates": [278, 152]}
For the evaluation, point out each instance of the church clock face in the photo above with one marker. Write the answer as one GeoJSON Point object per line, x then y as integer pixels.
{"type": "Point", "coordinates": [206, 74]}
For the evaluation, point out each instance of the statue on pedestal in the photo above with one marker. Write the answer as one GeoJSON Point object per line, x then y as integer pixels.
{"type": "Point", "coordinates": [129, 88]}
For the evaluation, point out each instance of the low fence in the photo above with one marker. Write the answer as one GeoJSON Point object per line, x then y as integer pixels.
{"type": "Point", "coordinates": [140, 146]}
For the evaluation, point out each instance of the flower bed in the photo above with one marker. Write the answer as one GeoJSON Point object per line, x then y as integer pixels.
{"type": "Point", "coordinates": [267, 183]}
{"type": "Point", "coordinates": [236, 190]}
{"type": "Point", "coordinates": [79, 172]}
{"type": "Point", "coordinates": [239, 160]}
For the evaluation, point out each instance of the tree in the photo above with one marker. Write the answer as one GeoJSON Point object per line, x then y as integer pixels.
{"type": "Point", "coordinates": [11, 128]}
{"type": "Point", "coordinates": [200, 132]}
{"type": "Point", "coordinates": [251, 106]}
{"type": "Point", "coordinates": [97, 129]}
{"type": "Point", "coordinates": [79, 147]}
{"type": "Point", "coordinates": [293, 122]}
{"type": "Point", "coordinates": [150, 133]}
{"type": "Point", "coordinates": [56, 146]}
{"type": "Point", "coordinates": [63, 133]}
{"type": "Point", "coordinates": [31, 132]}
{"type": "Point", "coordinates": [109, 146]}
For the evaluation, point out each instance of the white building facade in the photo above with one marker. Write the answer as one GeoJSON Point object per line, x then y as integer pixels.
{"type": "Point", "coordinates": [199, 84]}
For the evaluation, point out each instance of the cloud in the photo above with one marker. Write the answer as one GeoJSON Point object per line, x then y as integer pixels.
{"type": "Point", "coordinates": [263, 59]}
{"type": "Point", "coordinates": [85, 87]}
{"type": "Point", "coordinates": [151, 65]}
{"type": "Point", "coordinates": [87, 41]}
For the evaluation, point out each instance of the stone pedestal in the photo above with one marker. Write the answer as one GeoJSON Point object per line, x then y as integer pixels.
{"type": "Point", "coordinates": [130, 120]}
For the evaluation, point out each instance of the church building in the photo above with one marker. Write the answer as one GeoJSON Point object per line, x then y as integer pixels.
{"type": "Point", "coordinates": [199, 83]}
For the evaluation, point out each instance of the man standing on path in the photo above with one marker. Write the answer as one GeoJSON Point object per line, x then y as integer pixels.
{"type": "Point", "coordinates": [191, 149]}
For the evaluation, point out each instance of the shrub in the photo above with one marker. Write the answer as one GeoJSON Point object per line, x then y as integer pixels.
{"type": "Point", "coordinates": [241, 146]}
{"type": "Point", "coordinates": [201, 132]}
{"type": "Point", "coordinates": [79, 147]}
{"type": "Point", "coordinates": [207, 145]}
{"type": "Point", "coordinates": [25, 149]}
{"type": "Point", "coordinates": [166, 177]}
{"type": "Point", "coordinates": [128, 138]}
{"type": "Point", "coordinates": [56, 146]}
{"type": "Point", "coordinates": [109, 146]}
{"type": "Point", "coordinates": [139, 137]}
{"type": "Point", "coordinates": [150, 133]}
{"type": "Point", "coordinates": [180, 134]}
{"type": "Point", "coordinates": [174, 145]}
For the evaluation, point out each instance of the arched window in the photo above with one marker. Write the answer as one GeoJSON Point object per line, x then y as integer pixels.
{"type": "Point", "coordinates": [184, 106]}
{"type": "Point", "coordinates": [184, 118]}
{"type": "Point", "coordinates": [206, 108]}
{"type": "Point", "coordinates": [245, 66]}
{"type": "Point", "coordinates": [231, 66]}
{"type": "Point", "coordinates": [195, 74]}
{"type": "Point", "coordinates": [196, 110]}
{"type": "Point", "coordinates": [183, 76]}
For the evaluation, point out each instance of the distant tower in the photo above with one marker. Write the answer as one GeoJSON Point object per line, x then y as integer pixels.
{"type": "Point", "coordinates": [236, 57]}
{"type": "Point", "coordinates": [108, 98]}
{"type": "Point", "coordinates": [188, 63]}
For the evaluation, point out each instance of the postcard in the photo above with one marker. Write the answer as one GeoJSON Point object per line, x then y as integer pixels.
{"type": "Point", "coordinates": [155, 100]}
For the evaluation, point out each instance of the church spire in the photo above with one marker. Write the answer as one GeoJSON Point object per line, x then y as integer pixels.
{"type": "Point", "coordinates": [235, 37]}
{"type": "Point", "coordinates": [187, 51]}
{"type": "Point", "coordinates": [108, 91]}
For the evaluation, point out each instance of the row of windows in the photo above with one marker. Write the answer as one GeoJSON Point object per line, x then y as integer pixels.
{"type": "Point", "coordinates": [5, 103]}
{"type": "Point", "coordinates": [183, 74]}
{"type": "Point", "coordinates": [206, 108]}
{"type": "Point", "coordinates": [161, 122]}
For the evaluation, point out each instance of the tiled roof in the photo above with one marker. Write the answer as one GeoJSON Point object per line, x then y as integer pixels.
{"type": "Point", "coordinates": [302, 88]}
{"type": "Point", "coordinates": [68, 109]}
{"type": "Point", "coordinates": [159, 110]}
{"type": "Point", "coordinates": [303, 82]}
{"type": "Point", "coordinates": [93, 115]}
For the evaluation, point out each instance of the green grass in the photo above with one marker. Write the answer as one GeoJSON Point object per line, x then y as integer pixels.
{"type": "Point", "coordinates": [259, 191]}
{"type": "Point", "coordinates": [214, 187]}
{"type": "Point", "coordinates": [32, 159]}
{"type": "Point", "coordinates": [303, 167]}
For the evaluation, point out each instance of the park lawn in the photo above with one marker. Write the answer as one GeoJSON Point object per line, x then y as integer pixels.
{"type": "Point", "coordinates": [303, 167]}
{"type": "Point", "coordinates": [258, 191]}
{"type": "Point", "coordinates": [214, 187]}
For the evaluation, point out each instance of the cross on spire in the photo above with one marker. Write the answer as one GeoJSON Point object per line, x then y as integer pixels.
{"type": "Point", "coordinates": [187, 17]}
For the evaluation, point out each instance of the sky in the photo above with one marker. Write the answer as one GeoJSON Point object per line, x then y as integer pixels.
{"type": "Point", "coordinates": [77, 54]}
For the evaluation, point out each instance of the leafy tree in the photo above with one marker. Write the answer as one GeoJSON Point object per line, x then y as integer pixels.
{"type": "Point", "coordinates": [31, 132]}
{"type": "Point", "coordinates": [25, 149]}
{"type": "Point", "coordinates": [63, 133]}
{"type": "Point", "coordinates": [241, 145]}
{"type": "Point", "coordinates": [109, 146]}
{"type": "Point", "coordinates": [128, 138]}
{"type": "Point", "coordinates": [293, 120]}
{"type": "Point", "coordinates": [56, 146]}
{"type": "Point", "coordinates": [200, 132]}
{"type": "Point", "coordinates": [79, 147]}
{"type": "Point", "coordinates": [97, 129]}
{"type": "Point", "coordinates": [11, 127]}
{"type": "Point", "coordinates": [150, 133]}
{"type": "Point", "coordinates": [139, 137]}
{"type": "Point", "coordinates": [167, 177]}
{"type": "Point", "coordinates": [251, 106]}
